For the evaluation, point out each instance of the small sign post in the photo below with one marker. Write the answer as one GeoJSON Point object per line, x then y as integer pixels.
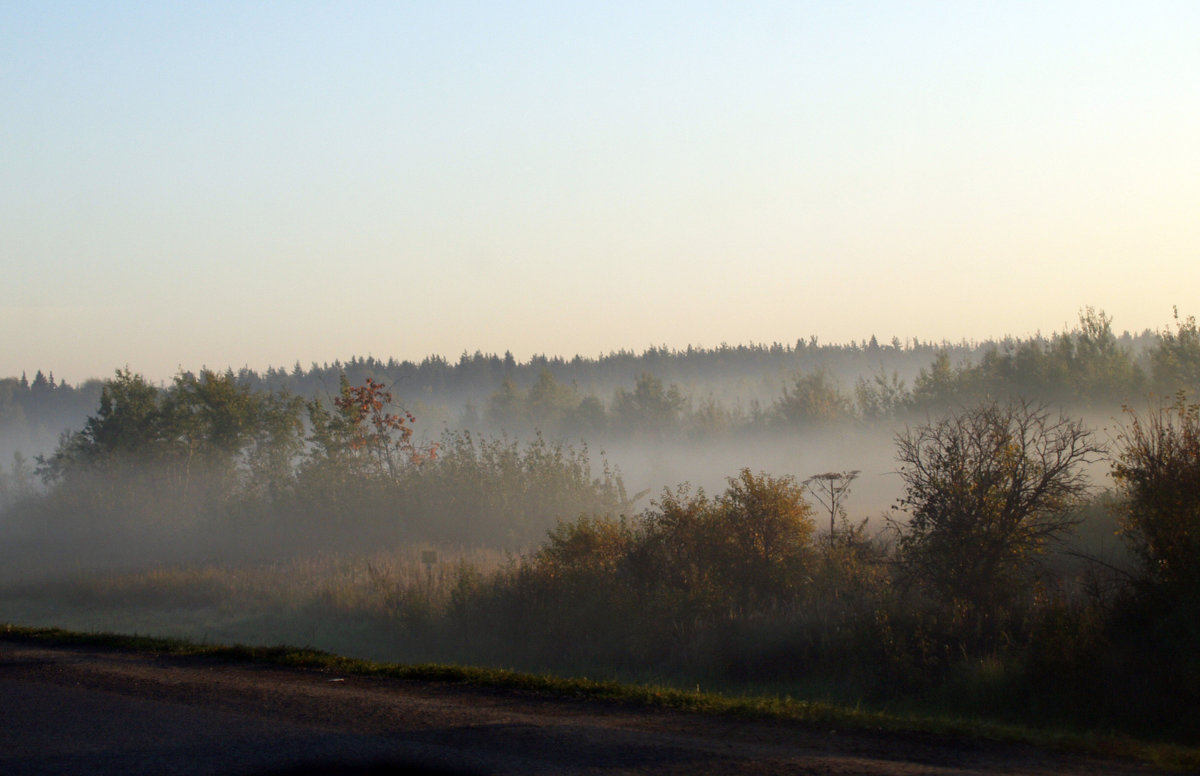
{"type": "Point", "coordinates": [430, 559]}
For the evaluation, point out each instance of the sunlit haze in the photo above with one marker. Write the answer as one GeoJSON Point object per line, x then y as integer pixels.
{"type": "Point", "coordinates": [227, 184]}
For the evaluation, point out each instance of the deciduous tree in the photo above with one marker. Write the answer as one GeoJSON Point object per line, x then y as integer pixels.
{"type": "Point", "coordinates": [986, 489]}
{"type": "Point", "coordinates": [813, 398]}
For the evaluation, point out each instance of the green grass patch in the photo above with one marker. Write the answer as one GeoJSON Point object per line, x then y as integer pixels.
{"type": "Point", "coordinates": [781, 708]}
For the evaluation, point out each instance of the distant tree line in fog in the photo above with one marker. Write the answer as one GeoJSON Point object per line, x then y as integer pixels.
{"type": "Point", "coordinates": [706, 392]}
{"type": "Point", "coordinates": [209, 453]}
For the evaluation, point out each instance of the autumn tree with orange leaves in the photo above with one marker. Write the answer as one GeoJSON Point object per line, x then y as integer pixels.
{"type": "Point", "coordinates": [362, 436]}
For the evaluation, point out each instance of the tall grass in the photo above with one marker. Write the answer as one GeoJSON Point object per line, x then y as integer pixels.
{"type": "Point", "coordinates": [849, 639]}
{"type": "Point", "coordinates": [361, 605]}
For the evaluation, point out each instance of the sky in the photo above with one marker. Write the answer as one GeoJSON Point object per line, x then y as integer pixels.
{"type": "Point", "coordinates": [187, 185]}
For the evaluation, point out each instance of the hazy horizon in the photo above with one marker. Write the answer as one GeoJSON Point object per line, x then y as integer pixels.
{"type": "Point", "coordinates": [228, 185]}
{"type": "Point", "coordinates": [162, 378]}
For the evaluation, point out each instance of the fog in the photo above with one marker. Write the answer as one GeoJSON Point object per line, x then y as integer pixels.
{"type": "Point", "coordinates": [303, 505]}
{"type": "Point", "coordinates": [146, 516]}
{"type": "Point", "coordinates": [653, 466]}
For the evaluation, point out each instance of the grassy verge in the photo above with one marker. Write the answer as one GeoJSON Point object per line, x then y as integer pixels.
{"type": "Point", "coordinates": [1169, 756]}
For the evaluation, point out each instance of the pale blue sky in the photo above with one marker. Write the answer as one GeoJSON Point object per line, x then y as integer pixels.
{"type": "Point", "coordinates": [190, 184]}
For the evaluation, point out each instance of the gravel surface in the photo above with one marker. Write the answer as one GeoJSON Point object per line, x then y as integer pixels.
{"type": "Point", "coordinates": [90, 710]}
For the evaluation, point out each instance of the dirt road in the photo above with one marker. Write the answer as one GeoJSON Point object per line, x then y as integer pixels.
{"type": "Point", "coordinates": [89, 710]}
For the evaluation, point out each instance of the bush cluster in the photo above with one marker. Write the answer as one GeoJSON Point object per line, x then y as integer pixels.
{"type": "Point", "coordinates": [210, 461]}
{"type": "Point", "coordinates": [739, 589]}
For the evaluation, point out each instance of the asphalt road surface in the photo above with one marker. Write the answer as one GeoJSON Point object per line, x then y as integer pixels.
{"type": "Point", "coordinates": [91, 710]}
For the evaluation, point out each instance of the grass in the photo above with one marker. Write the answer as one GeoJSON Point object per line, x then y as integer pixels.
{"type": "Point", "coordinates": [349, 605]}
{"type": "Point", "coordinates": [372, 615]}
{"type": "Point", "coordinates": [766, 707]}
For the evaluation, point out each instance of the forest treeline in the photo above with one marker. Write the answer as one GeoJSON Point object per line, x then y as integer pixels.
{"type": "Point", "coordinates": [700, 392]}
{"type": "Point", "coordinates": [211, 456]}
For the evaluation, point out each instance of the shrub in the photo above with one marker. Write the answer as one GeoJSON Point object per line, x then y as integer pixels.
{"type": "Point", "coordinates": [1158, 473]}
